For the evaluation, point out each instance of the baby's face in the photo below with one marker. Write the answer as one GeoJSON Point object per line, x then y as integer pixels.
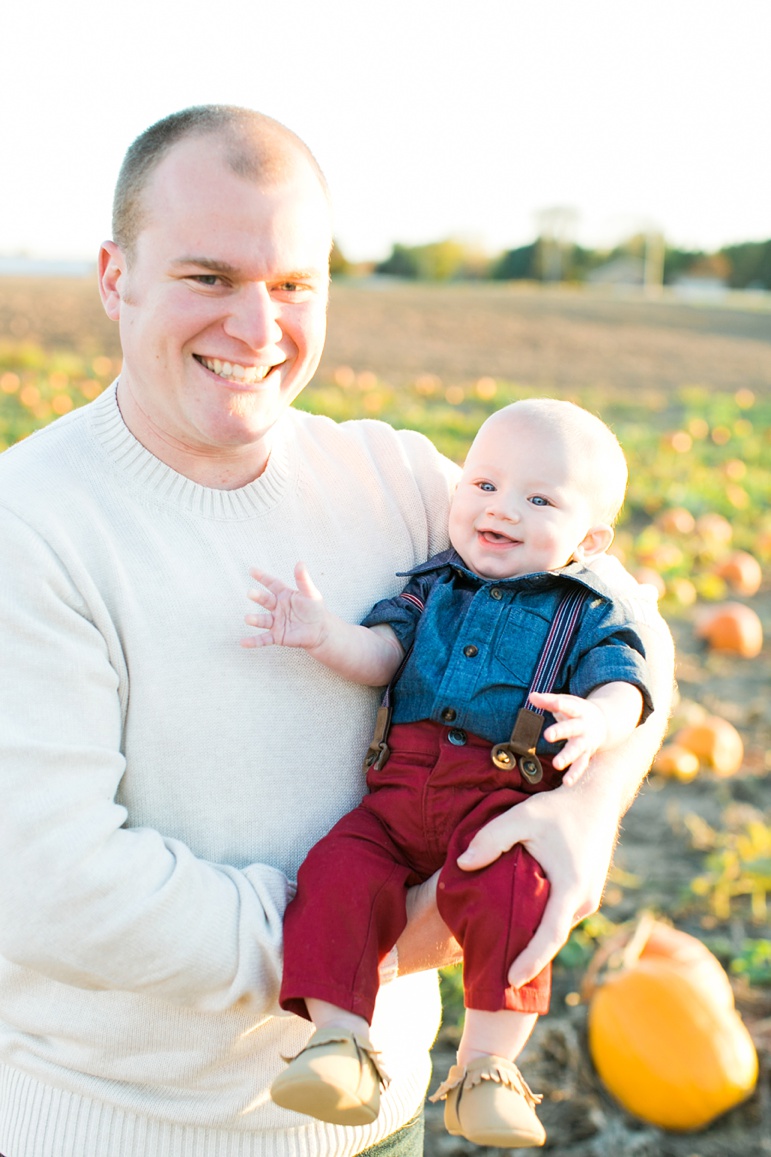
{"type": "Point", "coordinates": [519, 506]}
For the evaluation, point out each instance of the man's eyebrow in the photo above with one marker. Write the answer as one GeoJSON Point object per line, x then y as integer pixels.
{"type": "Point", "coordinates": [216, 266]}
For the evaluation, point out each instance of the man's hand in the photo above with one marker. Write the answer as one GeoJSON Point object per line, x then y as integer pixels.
{"type": "Point", "coordinates": [291, 618]}
{"type": "Point", "coordinates": [581, 722]}
{"type": "Point", "coordinates": [573, 840]}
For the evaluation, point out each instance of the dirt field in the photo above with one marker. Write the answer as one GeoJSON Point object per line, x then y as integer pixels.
{"type": "Point", "coordinates": [563, 341]}
{"type": "Point", "coordinates": [556, 339]}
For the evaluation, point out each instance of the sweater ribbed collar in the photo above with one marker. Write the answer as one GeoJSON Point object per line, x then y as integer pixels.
{"type": "Point", "coordinates": [162, 484]}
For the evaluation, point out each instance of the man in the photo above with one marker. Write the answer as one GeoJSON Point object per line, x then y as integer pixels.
{"type": "Point", "coordinates": [160, 784]}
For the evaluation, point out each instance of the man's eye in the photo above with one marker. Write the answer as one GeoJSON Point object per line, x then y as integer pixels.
{"type": "Point", "coordinates": [210, 280]}
{"type": "Point", "coordinates": [539, 500]}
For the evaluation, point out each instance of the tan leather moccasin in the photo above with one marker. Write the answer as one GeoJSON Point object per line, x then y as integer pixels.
{"type": "Point", "coordinates": [489, 1103]}
{"type": "Point", "coordinates": [337, 1078]}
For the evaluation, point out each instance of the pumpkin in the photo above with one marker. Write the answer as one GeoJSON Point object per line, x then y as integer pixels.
{"type": "Point", "coordinates": [676, 762]}
{"type": "Point", "coordinates": [715, 742]}
{"type": "Point", "coordinates": [666, 1050]}
{"type": "Point", "coordinates": [732, 627]}
{"type": "Point", "coordinates": [664, 1035]}
{"type": "Point", "coordinates": [714, 529]}
{"type": "Point", "coordinates": [676, 520]}
{"type": "Point", "coordinates": [742, 572]}
{"type": "Point", "coordinates": [664, 941]}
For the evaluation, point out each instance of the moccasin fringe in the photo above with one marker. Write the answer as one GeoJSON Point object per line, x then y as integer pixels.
{"type": "Point", "coordinates": [496, 1069]}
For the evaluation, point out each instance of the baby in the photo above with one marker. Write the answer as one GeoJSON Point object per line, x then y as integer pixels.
{"type": "Point", "coordinates": [483, 642]}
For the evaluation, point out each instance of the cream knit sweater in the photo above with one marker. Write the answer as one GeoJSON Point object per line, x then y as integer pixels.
{"type": "Point", "coordinates": [161, 785]}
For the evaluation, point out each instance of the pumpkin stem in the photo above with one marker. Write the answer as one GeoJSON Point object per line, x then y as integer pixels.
{"type": "Point", "coordinates": [641, 934]}
{"type": "Point", "coordinates": [622, 950]}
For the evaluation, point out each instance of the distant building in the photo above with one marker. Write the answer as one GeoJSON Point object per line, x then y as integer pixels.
{"type": "Point", "coordinates": [707, 277]}
{"type": "Point", "coordinates": [619, 271]}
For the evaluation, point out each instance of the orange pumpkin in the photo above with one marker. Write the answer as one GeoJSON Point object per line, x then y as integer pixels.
{"type": "Point", "coordinates": [662, 941]}
{"type": "Point", "coordinates": [715, 742]}
{"type": "Point", "coordinates": [664, 1034]}
{"type": "Point", "coordinates": [742, 572]}
{"type": "Point", "coordinates": [676, 520]}
{"type": "Point", "coordinates": [732, 627]}
{"type": "Point", "coordinates": [676, 762]}
{"type": "Point", "coordinates": [714, 529]}
{"type": "Point", "coordinates": [666, 1049]}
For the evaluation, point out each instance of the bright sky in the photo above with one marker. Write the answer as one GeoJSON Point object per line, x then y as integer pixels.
{"type": "Point", "coordinates": [431, 118]}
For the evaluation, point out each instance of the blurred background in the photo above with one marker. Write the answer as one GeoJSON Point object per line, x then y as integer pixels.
{"type": "Point", "coordinates": [562, 199]}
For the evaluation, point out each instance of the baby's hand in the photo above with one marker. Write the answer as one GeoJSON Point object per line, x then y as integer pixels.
{"type": "Point", "coordinates": [291, 618]}
{"type": "Point", "coordinates": [579, 721]}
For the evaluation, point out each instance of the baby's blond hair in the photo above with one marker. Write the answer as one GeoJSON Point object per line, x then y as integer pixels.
{"type": "Point", "coordinates": [585, 437]}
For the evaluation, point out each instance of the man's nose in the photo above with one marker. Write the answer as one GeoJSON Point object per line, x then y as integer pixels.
{"type": "Point", "coordinates": [253, 317]}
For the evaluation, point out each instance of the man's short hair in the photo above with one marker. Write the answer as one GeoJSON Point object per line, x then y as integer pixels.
{"type": "Point", "coordinates": [257, 148]}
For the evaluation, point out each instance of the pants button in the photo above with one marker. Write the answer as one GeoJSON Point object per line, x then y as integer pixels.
{"type": "Point", "coordinates": [457, 737]}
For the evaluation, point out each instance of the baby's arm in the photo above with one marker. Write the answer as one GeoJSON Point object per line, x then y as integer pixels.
{"type": "Point", "coordinates": [298, 618]}
{"type": "Point", "coordinates": [604, 718]}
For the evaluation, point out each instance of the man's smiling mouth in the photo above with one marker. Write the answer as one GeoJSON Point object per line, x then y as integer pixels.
{"type": "Point", "coordinates": [232, 372]}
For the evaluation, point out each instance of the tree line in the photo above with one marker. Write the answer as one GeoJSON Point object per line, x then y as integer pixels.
{"type": "Point", "coordinates": [746, 265]}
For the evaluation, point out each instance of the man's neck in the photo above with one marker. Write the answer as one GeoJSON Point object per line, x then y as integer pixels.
{"type": "Point", "coordinates": [219, 468]}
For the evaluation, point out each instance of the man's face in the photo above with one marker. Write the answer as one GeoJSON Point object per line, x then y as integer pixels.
{"type": "Point", "coordinates": [520, 505]}
{"type": "Point", "coordinates": [222, 309]}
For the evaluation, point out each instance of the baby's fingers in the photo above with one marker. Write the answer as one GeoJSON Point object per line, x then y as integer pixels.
{"type": "Point", "coordinates": [564, 729]}
{"type": "Point", "coordinates": [264, 598]}
{"type": "Point", "coordinates": [269, 581]}
{"type": "Point", "coordinates": [305, 583]}
{"type": "Point", "coordinates": [264, 639]}
{"type": "Point", "coordinates": [571, 752]}
{"type": "Point", "coordinates": [576, 770]}
{"type": "Point", "coordinates": [556, 704]}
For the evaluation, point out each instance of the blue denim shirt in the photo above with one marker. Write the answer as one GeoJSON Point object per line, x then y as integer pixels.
{"type": "Point", "coordinates": [477, 642]}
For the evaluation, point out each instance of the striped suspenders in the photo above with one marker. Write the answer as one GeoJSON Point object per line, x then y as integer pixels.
{"type": "Point", "coordinates": [520, 747]}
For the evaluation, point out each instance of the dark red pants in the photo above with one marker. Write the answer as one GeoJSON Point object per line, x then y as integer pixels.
{"type": "Point", "coordinates": [421, 812]}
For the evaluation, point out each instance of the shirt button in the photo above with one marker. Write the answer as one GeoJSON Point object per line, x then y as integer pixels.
{"type": "Point", "coordinates": [457, 737]}
{"type": "Point", "coordinates": [470, 651]}
{"type": "Point", "coordinates": [495, 593]}
{"type": "Point", "coordinates": [448, 714]}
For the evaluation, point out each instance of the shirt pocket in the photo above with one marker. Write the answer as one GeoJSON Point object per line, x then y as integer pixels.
{"type": "Point", "coordinates": [517, 646]}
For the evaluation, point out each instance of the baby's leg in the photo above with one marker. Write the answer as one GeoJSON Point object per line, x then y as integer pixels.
{"type": "Point", "coordinates": [501, 1034]}
{"type": "Point", "coordinates": [326, 1015]}
{"type": "Point", "coordinates": [493, 912]}
{"type": "Point", "coordinates": [348, 912]}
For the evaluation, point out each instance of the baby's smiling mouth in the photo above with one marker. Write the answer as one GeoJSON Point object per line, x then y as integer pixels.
{"type": "Point", "coordinates": [492, 536]}
{"type": "Point", "coordinates": [233, 372]}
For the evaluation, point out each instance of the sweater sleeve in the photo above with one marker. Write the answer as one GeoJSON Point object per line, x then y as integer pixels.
{"type": "Point", "coordinates": [84, 899]}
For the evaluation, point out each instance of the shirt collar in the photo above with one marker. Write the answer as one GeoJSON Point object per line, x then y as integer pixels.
{"type": "Point", "coordinates": [575, 572]}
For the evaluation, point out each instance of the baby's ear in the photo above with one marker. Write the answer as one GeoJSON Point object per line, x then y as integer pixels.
{"type": "Point", "coordinates": [598, 539]}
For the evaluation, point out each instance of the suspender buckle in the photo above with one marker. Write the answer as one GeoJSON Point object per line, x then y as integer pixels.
{"type": "Point", "coordinates": [378, 750]}
{"type": "Point", "coordinates": [520, 749]}
{"type": "Point", "coordinates": [376, 757]}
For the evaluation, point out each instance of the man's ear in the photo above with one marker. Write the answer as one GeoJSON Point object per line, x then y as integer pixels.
{"type": "Point", "coordinates": [598, 539]}
{"type": "Point", "coordinates": [112, 269]}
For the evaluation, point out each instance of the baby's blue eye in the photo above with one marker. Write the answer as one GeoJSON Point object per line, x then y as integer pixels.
{"type": "Point", "coordinates": [487, 486]}
{"type": "Point", "coordinates": [539, 500]}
